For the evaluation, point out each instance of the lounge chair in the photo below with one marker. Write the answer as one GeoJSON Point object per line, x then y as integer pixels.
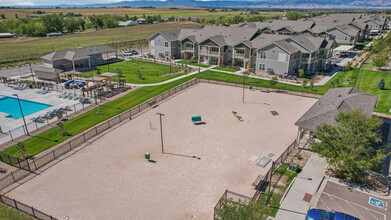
{"type": "Point", "coordinates": [38, 119]}
{"type": "Point", "coordinates": [71, 96]}
{"type": "Point", "coordinates": [62, 95]}
{"type": "Point", "coordinates": [66, 95]}
{"type": "Point", "coordinates": [76, 97]}
{"type": "Point", "coordinates": [16, 87]}
{"type": "Point", "coordinates": [67, 108]}
{"type": "Point", "coordinates": [40, 91]}
{"type": "Point", "coordinates": [46, 90]}
{"type": "Point", "coordinates": [22, 87]}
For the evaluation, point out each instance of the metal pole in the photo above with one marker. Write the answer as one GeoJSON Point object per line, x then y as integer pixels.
{"type": "Point", "coordinates": [161, 130]}
{"type": "Point", "coordinates": [20, 106]}
{"type": "Point", "coordinates": [32, 74]}
{"type": "Point", "coordinates": [244, 85]}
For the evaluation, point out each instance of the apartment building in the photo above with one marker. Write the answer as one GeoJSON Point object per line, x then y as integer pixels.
{"type": "Point", "coordinates": [246, 47]}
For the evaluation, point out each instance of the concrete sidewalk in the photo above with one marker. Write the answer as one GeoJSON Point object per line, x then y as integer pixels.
{"type": "Point", "coordinates": [293, 207]}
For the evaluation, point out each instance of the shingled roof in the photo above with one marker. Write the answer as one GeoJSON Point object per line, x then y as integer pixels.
{"type": "Point", "coordinates": [78, 53]}
{"type": "Point", "coordinates": [335, 101]}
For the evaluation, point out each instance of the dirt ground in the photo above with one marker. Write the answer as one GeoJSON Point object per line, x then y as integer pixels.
{"type": "Point", "coordinates": [110, 179]}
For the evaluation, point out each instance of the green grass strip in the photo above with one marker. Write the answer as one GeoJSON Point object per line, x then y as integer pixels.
{"type": "Point", "coordinates": [224, 69]}
{"type": "Point", "coordinates": [74, 126]}
{"type": "Point", "coordinates": [193, 64]}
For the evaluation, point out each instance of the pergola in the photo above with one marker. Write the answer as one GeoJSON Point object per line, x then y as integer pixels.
{"type": "Point", "coordinates": [109, 76]}
{"type": "Point", "coordinates": [97, 80]}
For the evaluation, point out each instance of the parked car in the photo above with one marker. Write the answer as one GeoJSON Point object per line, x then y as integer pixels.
{"type": "Point", "coordinates": [335, 60]}
{"type": "Point", "coordinates": [127, 53]}
{"type": "Point", "coordinates": [320, 214]}
{"type": "Point", "coordinates": [342, 54]}
{"type": "Point", "coordinates": [134, 52]}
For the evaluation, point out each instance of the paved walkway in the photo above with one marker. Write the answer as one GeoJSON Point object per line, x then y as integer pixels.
{"type": "Point", "coordinates": [293, 207]}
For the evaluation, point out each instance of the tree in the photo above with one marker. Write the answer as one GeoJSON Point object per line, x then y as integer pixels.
{"type": "Point", "coordinates": [294, 15]}
{"type": "Point", "coordinates": [61, 129]}
{"type": "Point", "coordinates": [189, 18]}
{"type": "Point", "coordinates": [352, 145]}
{"type": "Point", "coordinates": [139, 76]}
{"type": "Point", "coordinates": [301, 73]}
{"type": "Point", "coordinates": [16, 16]}
{"type": "Point", "coordinates": [2, 16]}
{"type": "Point", "coordinates": [381, 84]}
{"type": "Point", "coordinates": [304, 83]}
{"type": "Point", "coordinates": [347, 67]}
{"type": "Point", "coordinates": [380, 60]}
{"type": "Point", "coordinates": [273, 81]}
{"type": "Point", "coordinates": [22, 150]}
{"type": "Point", "coordinates": [312, 83]}
{"type": "Point", "coordinates": [126, 18]}
{"type": "Point", "coordinates": [98, 71]}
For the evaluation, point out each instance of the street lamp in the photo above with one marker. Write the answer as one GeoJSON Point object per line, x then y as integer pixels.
{"type": "Point", "coordinates": [20, 106]}
{"type": "Point", "coordinates": [244, 85]}
{"type": "Point", "coordinates": [161, 130]}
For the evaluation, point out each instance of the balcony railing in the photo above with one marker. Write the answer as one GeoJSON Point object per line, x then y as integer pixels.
{"type": "Point", "coordinates": [189, 48]}
{"type": "Point", "coordinates": [214, 53]}
{"type": "Point", "coordinates": [305, 59]}
{"type": "Point", "coordinates": [204, 51]}
{"type": "Point", "coordinates": [239, 55]}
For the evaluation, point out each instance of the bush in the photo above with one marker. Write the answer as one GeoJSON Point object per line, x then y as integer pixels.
{"type": "Point", "coordinates": [381, 84]}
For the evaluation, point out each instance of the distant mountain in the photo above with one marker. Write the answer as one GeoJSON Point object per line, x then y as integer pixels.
{"type": "Point", "coordinates": [299, 4]}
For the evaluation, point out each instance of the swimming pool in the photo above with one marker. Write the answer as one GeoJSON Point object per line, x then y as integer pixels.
{"type": "Point", "coordinates": [10, 106]}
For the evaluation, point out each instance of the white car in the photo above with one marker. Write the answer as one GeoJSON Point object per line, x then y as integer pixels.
{"type": "Point", "coordinates": [127, 53]}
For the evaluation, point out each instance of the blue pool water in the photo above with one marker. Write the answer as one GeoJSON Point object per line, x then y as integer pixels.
{"type": "Point", "coordinates": [10, 106]}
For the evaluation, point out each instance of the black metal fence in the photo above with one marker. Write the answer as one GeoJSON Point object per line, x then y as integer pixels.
{"type": "Point", "coordinates": [264, 89]}
{"type": "Point", "coordinates": [261, 187]}
{"type": "Point", "coordinates": [25, 208]}
{"type": "Point", "coordinates": [128, 44]}
{"type": "Point", "coordinates": [37, 162]}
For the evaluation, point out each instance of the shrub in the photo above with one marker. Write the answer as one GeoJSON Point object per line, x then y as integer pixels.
{"type": "Point", "coordinates": [381, 84]}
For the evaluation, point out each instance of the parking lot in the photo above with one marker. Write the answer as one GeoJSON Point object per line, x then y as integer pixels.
{"type": "Point", "coordinates": [353, 202]}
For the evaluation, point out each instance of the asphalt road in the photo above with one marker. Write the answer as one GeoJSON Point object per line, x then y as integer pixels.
{"type": "Point", "coordinates": [353, 202]}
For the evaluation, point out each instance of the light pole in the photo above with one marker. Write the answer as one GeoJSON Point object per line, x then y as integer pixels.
{"type": "Point", "coordinates": [244, 85]}
{"type": "Point", "coordinates": [20, 106]}
{"type": "Point", "coordinates": [161, 130]}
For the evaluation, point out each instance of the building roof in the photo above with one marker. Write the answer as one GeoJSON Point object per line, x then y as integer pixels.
{"type": "Point", "coordinates": [293, 26]}
{"type": "Point", "coordinates": [127, 23]}
{"type": "Point", "coordinates": [46, 69]}
{"type": "Point", "coordinates": [78, 53]}
{"type": "Point", "coordinates": [335, 101]}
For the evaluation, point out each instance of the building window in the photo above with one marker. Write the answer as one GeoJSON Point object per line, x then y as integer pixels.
{"type": "Point", "coordinates": [165, 44]}
{"type": "Point", "coordinates": [240, 51]}
{"type": "Point", "coordinates": [166, 53]}
{"type": "Point", "coordinates": [346, 37]}
{"type": "Point", "coordinates": [263, 55]}
{"type": "Point", "coordinates": [262, 66]}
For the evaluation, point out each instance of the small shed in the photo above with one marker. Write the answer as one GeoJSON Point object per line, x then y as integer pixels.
{"type": "Point", "coordinates": [127, 23]}
{"type": "Point", "coordinates": [7, 35]}
{"type": "Point", "coordinates": [54, 34]}
{"type": "Point", "coordinates": [141, 21]}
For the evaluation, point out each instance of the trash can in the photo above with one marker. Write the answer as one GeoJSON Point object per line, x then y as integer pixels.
{"type": "Point", "coordinates": [147, 156]}
{"type": "Point", "coordinates": [251, 87]}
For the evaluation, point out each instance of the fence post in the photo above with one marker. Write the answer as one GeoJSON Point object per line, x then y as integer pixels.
{"type": "Point", "coordinates": [32, 209]}
{"type": "Point", "coordinates": [70, 146]}
{"type": "Point", "coordinates": [84, 137]}
{"type": "Point", "coordinates": [12, 139]}
{"type": "Point", "coordinates": [12, 174]}
{"type": "Point", "coordinates": [74, 106]}
{"type": "Point", "coordinates": [108, 123]}
{"type": "Point", "coordinates": [119, 116]}
{"type": "Point", "coordinates": [15, 204]}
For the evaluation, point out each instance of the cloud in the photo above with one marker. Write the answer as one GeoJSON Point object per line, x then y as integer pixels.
{"type": "Point", "coordinates": [17, 2]}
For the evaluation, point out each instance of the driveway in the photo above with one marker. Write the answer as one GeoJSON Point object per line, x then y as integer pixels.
{"type": "Point", "coordinates": [353, 202]}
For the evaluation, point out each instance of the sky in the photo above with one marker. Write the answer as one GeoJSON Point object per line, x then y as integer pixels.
{"type": "Point", "coordinates": [52, 2]}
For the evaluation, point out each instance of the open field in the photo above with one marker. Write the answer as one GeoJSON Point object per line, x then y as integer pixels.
{"type": "Point", "coordinates": [110, 179]}
{"type": "Point", "coordinates": [91, 38]}
{"type": "Point", "coordinates": [194, 64]}
{"type": "Point", "coordinates": [163, 11]}
{"type": "Point", "coordinates": [150, 72]}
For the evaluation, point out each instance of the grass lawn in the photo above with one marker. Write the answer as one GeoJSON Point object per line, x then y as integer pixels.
{"type": "Point", "coordinates": [43, 45]}
{"type": "Point", "coordinates": [209, 74]}
{"type": "Point", "coordinates": [225, 69]}
{"type": "Point", "coordinates": [150, 72]}
{"type": "Point", "coordinates": [194, 64]}
{"type": "Point", "coordinates": [74, 126]}
{"type": "Point", "coordinates": [368, 83]}
{"type": "Point", "coordinates": [8, 213]}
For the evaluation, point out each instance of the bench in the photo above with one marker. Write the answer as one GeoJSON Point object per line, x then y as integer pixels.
{"type": "Point", "coordinates": [196, 119]}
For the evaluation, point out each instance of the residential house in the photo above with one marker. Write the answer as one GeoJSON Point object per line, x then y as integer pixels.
{"type": "Point", "coordinates": [127, 23]}
{"type": "Point", "coordinates": [141, 21]}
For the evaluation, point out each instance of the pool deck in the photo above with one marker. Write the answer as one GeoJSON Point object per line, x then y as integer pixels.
{"type": "Point", "coordinates": [49, 98]}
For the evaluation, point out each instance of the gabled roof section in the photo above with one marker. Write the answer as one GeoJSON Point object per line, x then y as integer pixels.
{"type": "Point", "coordinates": [333, 102]}
{"type": "Point", "coordinates": [78, 53]}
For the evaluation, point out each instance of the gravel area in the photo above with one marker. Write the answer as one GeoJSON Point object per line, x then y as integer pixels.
{"type": "Point", "coordinates": [110, 179]}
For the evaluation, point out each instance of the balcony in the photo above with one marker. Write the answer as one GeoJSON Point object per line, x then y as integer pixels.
{"type": "Point", "coordinates": [204, 52]}
{"type": "Point", "coordinates": [190, 49]}
{"type": "Point", "coordinates": [305, 60]}
{"type": "Point", "coordinates": [239, 55]}
{"type": "Point", "coordinates": [214, 53]}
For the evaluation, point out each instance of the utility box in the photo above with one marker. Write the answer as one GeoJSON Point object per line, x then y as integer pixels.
{"type": "Point", "coordinates": [147, 156]}
{"type": "Point", "coordinates": [293, 167]}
